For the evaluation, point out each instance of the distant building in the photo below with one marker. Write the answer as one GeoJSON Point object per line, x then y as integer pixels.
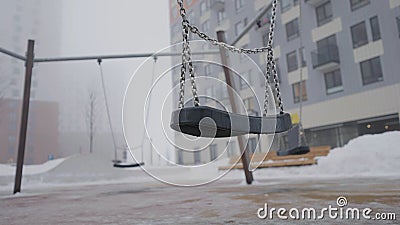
{"type": "Point", "coordinates": [349, 59]}
{"type": "Point", "coordinates": [41, 21]}
{"type": "Point", "coordinates": [42, 137]}
{"type": "Point", "coordinates": [22, 20]}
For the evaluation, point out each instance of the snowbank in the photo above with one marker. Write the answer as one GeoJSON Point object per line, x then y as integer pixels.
{"type": "Point", "coordinates": [368, 155]}
{"type": "Point", "coordinates": [9, 170]}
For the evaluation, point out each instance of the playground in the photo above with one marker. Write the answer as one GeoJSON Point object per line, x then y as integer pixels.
{"type": "Point", "coordinates": [270, 119]}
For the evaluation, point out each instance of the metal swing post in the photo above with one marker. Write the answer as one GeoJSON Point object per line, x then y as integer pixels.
{"type": "Point", "coordinates": [244, 157]}
{"type": "Point", "coordinates": [24, 115]}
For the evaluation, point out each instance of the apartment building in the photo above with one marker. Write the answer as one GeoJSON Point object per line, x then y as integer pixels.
{"type": "Point", "coordinates": [341, 58]}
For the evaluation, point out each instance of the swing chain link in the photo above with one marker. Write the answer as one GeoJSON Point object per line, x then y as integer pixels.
{"type": "Point", "coordinates": [271, 70]}
{"type": "Point", "coordinates": [186, 61]}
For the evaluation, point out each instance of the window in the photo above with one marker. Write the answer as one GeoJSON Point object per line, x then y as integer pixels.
{"type": "Point", "coordinates": [239, 27]}
{"type": "Point", "coordinates": [245, 80]}
{"type": "Point", "coordinates": [291, 59]}
{"type": "Point", "coordinates": [371, 70]}
{"type": "Point", "coordinates": [252, 145]}
{"type": "Point", "coordinates": [333, 82]}
{"type": "Point", "coordinates": [222, 91]}
{"type": "Point", "coordinates": [206, 26]}
{"type": "Point", "coordinates": [221, 16]}
{"type": "Point", "coordinates": [209, 91]}
{"type": "Point", "coordinates": [242, 81]}
{"type": "Point", "coordinates": [231, 148]}
{"type": "Point", "coordinates": [324, 44]}
{"type": "Point", "coordinates": [292, 29]}
{"type": "Point", "coordinates": [296, 91]}
{"type": "Point", "coordinates": [239, 5]}
{"type": "Point", "coordinates": [191, 16]}
{"type": "Point", "coordinates": [249, 104]}
{"type": "Point", "coordinates": [302, 57]}
{"type": "Point", "coordinates": [324, 13]}
{"type": "Point", "coordinates": [213, 152]}
{"type": "Point", "coordinates": [203, 7]}
{"type": "Point", "coordinates": [197, 159]}
{"type": "Point", "coordinates": [285, 5]}
{"type": "Point", "coordinates": [207, 70]}
{"type": "Point", "coordinates": [376, 33]}
{"type": "Point", "coordinates": [355, 4]}
{"type": "Point", "coordinates": [180, 157]}
{"type": "Point", "coordinates": [398, 24]}
{"type": "Point", "coordinates": [359, 35]}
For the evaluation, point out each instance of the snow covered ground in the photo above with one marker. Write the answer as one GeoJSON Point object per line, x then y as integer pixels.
{"type": "Point", "coordinates": [366, 156]}
{"type": "Point", "coordinates": [86, 189]}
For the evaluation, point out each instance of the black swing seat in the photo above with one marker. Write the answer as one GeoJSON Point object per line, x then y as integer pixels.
{"type": "Point", "coordinates": [299, 150]}
{"type": "Point", "coordinates": [127, 165]}
{"type": "Point", "coordinates": [225, 124]}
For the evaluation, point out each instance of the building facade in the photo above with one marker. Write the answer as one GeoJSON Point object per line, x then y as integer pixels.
{"type": "Point", "coordinates": [42, 134]}
{"type": "Point", "coordinates": [339, 57]}
{"type": "Point", "coordinates": [22, 20]}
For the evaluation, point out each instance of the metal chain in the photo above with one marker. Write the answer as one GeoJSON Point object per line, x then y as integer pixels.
{"type": "Point", "coordinates": [186, 61]}
{"type": "Point", "coordinates": [186, 57]}
{"type": "Point", "coordinates": [231, 48]}
{"type": "Point", "coordinates": [270, 63]}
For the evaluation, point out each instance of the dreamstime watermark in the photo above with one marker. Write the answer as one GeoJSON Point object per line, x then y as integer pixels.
{"type": "Point", "coordinates": [341, 212]}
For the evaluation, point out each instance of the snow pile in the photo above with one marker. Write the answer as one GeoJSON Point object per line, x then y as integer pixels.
{"type": "Point", "coordinates": [74, 170]}
{"type": "Point", "coordinates": [9, 170]}
{"type": "Point", "coordinates": [368, 155]}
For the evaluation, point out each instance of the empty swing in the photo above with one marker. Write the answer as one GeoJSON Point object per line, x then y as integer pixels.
{"type": "Point", "coordinates": [205, 121]}
{"type": "Point", "coordinates": [116, 162]}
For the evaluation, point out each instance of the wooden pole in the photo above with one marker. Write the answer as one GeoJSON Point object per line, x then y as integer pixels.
{"type": "Point", "coordinates": [248, 174]}
{"type": "Point", "coordinates": [24, 115]}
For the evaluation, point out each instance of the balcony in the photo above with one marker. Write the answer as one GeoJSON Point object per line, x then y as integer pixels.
{"type": "Point", "coordinates": [218, 5]}
{"type": "Point", "coordinates": [326, 58]}
{"type": "Point", "coordinates": [315, 2]}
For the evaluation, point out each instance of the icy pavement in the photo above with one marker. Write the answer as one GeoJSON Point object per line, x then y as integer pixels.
{"type": "Point", "coordinates": [222, 202]}
{"type": "Point", "coordinates": [86, 189]}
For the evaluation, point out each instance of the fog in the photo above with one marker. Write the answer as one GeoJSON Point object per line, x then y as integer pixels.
{"type": "Point", "coordinates": [83, 28]}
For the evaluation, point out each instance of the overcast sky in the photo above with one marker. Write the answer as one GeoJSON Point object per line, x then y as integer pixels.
{"type": "Point", "coordinates": [110, 27]}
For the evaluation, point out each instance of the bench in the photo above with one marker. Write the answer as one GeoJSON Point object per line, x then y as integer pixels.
{"type": "Point", "coordinates": [271, 159]}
